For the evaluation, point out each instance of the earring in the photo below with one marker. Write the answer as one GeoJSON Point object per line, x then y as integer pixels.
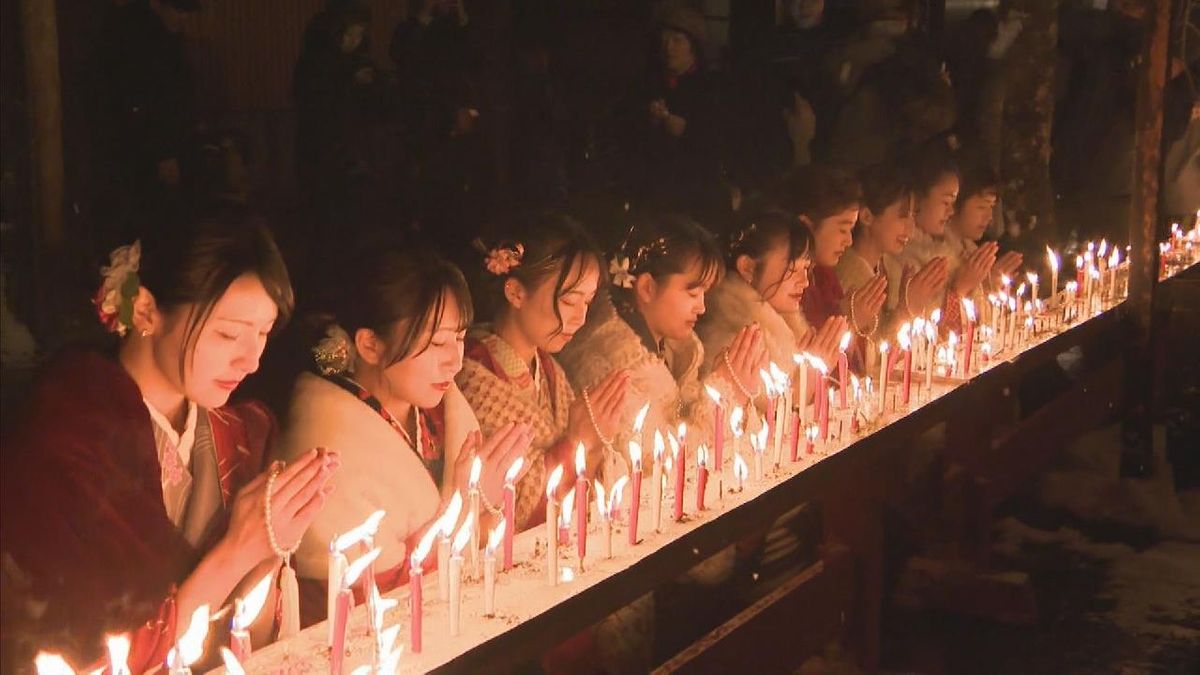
{"type": "Point", "coordinates": [145, 332]}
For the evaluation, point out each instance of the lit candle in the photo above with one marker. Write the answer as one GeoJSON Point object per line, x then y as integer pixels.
{"type": "Point", "coordinates": [456, 572]}
{"type": "Point", "coordinates": [581, 503]}
{"type": "Point", "coordinates": [1052, 260]}
{"type": "Point", "coordinates": [883, 375]}
{"type": "Point", "coordinates": [118, 653]}
{"type": "Point", "coordinates": [190, 646]}
{"type": "Point", "coordinates": [794, 437]}
{"type": "Point", "coordinates": [1032, 277]}
{"type": "Point", "coordinates": [656, 479]}
{"type": "Point", "coordinates": [802, 360]}
{"type": "Point", "coordinates": [614, 504]}
{"type": "Point", "coordinates": [810, 434]}
{"type": "Point", "coordinates": [758, 442]}
{"type": "Point", "coordinates": [564, 518]}
{"type": "Point", "coordinates": [232, 665]}
{"type": "Point", "coordinates": [473, 500]}
{"type": "Point", "coordinates": [843, 367]}
{"type": "Point", "coordinates": [510, 508]}
{"type": "Point", "coordinates": [635, 501]}
{"type": "Point", "coordinates": [680, 448]}
{"type": "Point", "coordinates": [446, 526]}
{"type": "Point", "coordinates": [701, 476]}
{"type": "Point", "coordinates": [551, 524]}
{"type": "Point", "coordinates": [345, 601]}
{"type": "Point", "coordinates": [905, 342]}
{"type": "Point", "coordinates": [416, 592]}
{"type": "Point", "coordinates": [245, 611]}
{"type": "Point", "coordinates": [335, 569]}
{"type": "Point", "coordinates": [969, 343]}
{"type": "Point", "coordinates": [385, 638]}
{"type": "Point", "coordinates": [639, 422]}
{"type": "Point", "coordinates": [489, 568]}
{"type": "Point", "coordinates": [718, 425]}
{"type": "Point", "coordinates": [1079, 275]}
{"type": "Point", "coordinates": [930, 345]}
{"type": "Point", "coordinates": [602, 513]}
{"type": "Point", "coordinates": [740, 470]}
{"type": "Point", "coordinates": [52, 664]}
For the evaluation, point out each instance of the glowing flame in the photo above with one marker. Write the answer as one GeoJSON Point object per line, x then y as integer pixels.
{"type": "Point", "coordinates": [52, 664]}
{"type": "Point", "coordinates": [682, 431]}
{"type": "Point", "coordinates": [969, 309]}
{"type": "Point", "coordinates": [713, 394]}
{"type": "Point", "coordinates": [735, 421]}
{"type": "Point", "coordinates": [936, 316]}
{"type": "Point", "coordinates": [232, 665]}
{"type": "Point", "coordinates": [883, 347]}
{"type": "Point", "coordinates": [931, 332]}
{"type": "Point", "coordinates": [1005, 281]}
{"type": "Point", "coordinates": [356, 568]}
{"type": "Point", "coordinates": [768, 383]}
{"type": "Point", "coordinates": [601, 499]}
{"type": "Point", "coordinates": [641, 418]}
{"type": "Point", "coordinates": [363, 532]}
{"type": "Point", "coordinates": [811, 433]}
{"type": "Point", "coordinates": [568, 507]}
{"type": "Point", "coordinates": [1012, 304]}
{"type": "Point", "coordinates": [845, 343]}
{"type": "Point", "coordinates": [463, 536]}
{"type": "Point", "coordinates": [1072, 286]}
{"type": "Point", "coordinates": [190, 646]}
{"type": "Point", "coordinates": [450, 517]}
{"type": "Point", "coordinates": [1078, 262]}
{"type": "Point", "coordinates": [740, 470]}
{"type": "Point", "coordinates": [854, 384]}
{"type": "Point", "coordinates": [1032, 277]}
{"type": "Point", "coordinates": [580, 459]}
{"type": "Point", "coordinates": [702, 455]}
{"type": "Point", "coordinates": [918, 327]}
{"type": "Point", "coordinates": [801, 358]}
{"type": "Point", "coordinates": [382, 607]}
{"type": "Point", "coordinates": [762, 437]}
{"type": "Point", "coordinates": [496, 536]}
{"type": "Point", "coordinates": [614, 497]}
{"type": "Point", "coordinates": [952, 339]}
{"type": "Point", "coordinates": [423, 547]}
{"type": "Point", "coordinates": [674, 445]}
{"type": "Point", "coordinates": [510, 476]}
{"type": "Point", "coordinates": [635, 455]}
{"type": "Point", "coordinates": [554, 480]}
{"type": "Point", "coordinates": [659, 445]}
{"type": "Point", "coordinates": [248, 609]}
{"type": "Point", "coordinates": [1103, 248]}
{"type": "Point", "coordinates": [1115, 258]}
{"type": "Point", "coordinates": [781, 378]}
{"type": "Point", "coordinates": [476, 470]}
{"type": "Point", "coordinates": [902, 338]}
{"type": "Point", "coordinates": [1052, 258]}
{"type": "Point", "coordinates": [1021, 289]}
{"type": "Point", "coordinates": [819, 364]}
{"type": "Point", "coordinates": [118, 653]}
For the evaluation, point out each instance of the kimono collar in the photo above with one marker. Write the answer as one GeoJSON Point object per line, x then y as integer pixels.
{"type": "Point", "coordinates": [638, 324]}
{"type": "Point", "coordinates": [672, 81]}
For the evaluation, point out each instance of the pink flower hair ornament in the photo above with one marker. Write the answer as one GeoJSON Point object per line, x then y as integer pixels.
{"type": "Point", "coordinates": [114, 298]}
{"type": "Point", "coordinates": [501, 260]}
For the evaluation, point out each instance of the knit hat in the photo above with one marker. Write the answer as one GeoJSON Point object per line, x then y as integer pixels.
{"type": "Point", "coordinates": [687, 21]}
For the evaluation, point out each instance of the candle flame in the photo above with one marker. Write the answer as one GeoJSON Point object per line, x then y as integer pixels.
{"type": "Point", "coordinates": [359, 534]}
{"type": "Point", "coordinates": [382, 607]}
{"type": "Point", "coordinates": [702, 455]}
{"type": "Point", "coordinates": [735, 421]}
{"type": "Point", "coordinates": [1103, 248]}
{"type": "Point", "coordinates": [356, 568]}
{"type": "Point", "coordinates": [423, 547]}
{"type": "Point", "coordinates": [232, 665]}
{"type": "Point", "coordinates": [555, 478]}
{"type": "Point", "coordinates": [248, 609]}
{"type": "Point", "coordinates": [883, 347]}
{"type": "Point", "coordinates": [768, 383]}
{"type": "Point", "coordinates": [52, 664]}
{"type": "Point", "coordinates": [641, 418]}
{"type": "Point", "coordinates": [118, 654]}
{"type": "Point", "coordinates": [811, 433]}
{"type": "Point", "coordinates": [931, 332]}
{"type": "Point", "coordinates": [781, 378]}
{"type": "Point", "coordinates": [762, 436]}
{"type": "Point", "coordinates": [1005, 281]}
{"type": "Point", "coordinates": [1078, 262]}
{"type": "Point", "coordinates": [614, 497]}
{"type": "Point", "coordinates": [936, 316]}
{"type": "Point", "coordinates": [1072, 286]}
{"type": "Point", "coordinates": [463, 536]}
{"type": "Point", "coordinates": [1028, 307]}
{"type": "Point", "coordinates": [674, 445]}
{"type": "Point", "coordinates": [844, 344]}
{"type": "Point", "coordinates": [660, 445]}
{"type": "Point", "coordinates": [713, 394]}
{"type": "Point", "coordinates": [476, 471]}
{"type": "Point", "coordinates": [564, 518]}
{"type": "Point", "coordinates": [854, 384]}
{"type": "Point", "coordinates": [1091, 245]}
{"type": "Point", "coordinates": [1012, 304]}
{"type": "Point", "coordinates": [918, 327]}
{"type": "Point", "coordinates": [740, 470]}
{"type": "Point", "coordinates": [1029, 322]}
{"type": "Point", "coordinates": [1032, 277]}
{"type": "Point", "coordinates": [801, 358]}
{"type": "Point", "coordinates": [1021, 289]}
{"type": "Point", "coordinates": [986, 348]}
{"type": "Point", "coordinates": [566, 574]}
{"type": "Point", "coordinates": [496, 536]}
{"type": "Point", "coordinates": [450, 517]}
{"type": "Point", "coordinates": [902, 337]}
{"type": "Point", "coordinates": [819, 364]}
{"type": "Point", "coordinates": [1052, 258]}
{"type": "Point", "coordinates": [682, 432]}
{"type": "Point", "coordinates": [1115, 258]}
{"type": "Point", "coordinates": [601, 500]}
{"type": "Point", "coordinates": [635, 455]}
{"type": "Point", "coordinates": [510, 476]}
{"type": "Point", "coordinates": [952, 338]}
{"type": "Point", "coordinates": [580, 459]}
{"type": "Point", "coordinates": [969, 309]}
{"type": "Point", "coordinates": [190, 646]}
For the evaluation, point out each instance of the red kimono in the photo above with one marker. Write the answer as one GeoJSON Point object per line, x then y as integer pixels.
{"type": "Point", "coordinates": [88, 548]}
{"type": "Point", "coordinates": [823, 297]}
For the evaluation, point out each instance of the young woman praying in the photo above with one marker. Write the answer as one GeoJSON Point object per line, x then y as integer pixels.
{"type": "Point", "coordinates": [132, 493]}
{"type": "Point", "coordinates": [976, 203]}
{"type": "Point", "coordinates": [538, 283]}
{"type": "Point", "coordinates": [384, 397]}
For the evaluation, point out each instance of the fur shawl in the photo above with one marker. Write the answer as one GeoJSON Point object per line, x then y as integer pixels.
{"type": "Point", "coordinates": [733, 304]}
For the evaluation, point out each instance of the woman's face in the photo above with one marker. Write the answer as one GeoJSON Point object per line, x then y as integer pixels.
{"type": "Point", "coordinates": [937, 205]}
{"type": "Point", "coordinates": [536, 318]}
{"type": "Point", "coordinates": [423, 378]}
{"type": "Point", "coordinates": [976, 215]}
{"type": "Point", "coordinates": [891, 228]}
{"type": "Point", "coordinates": [806, 13]}
{"type": "Point", "coordinates": [352, 37]}
{"type": "Point", "coordinates": [672, 306]}
{"type": "Point", "coordinates": [833, 236]}
{"type": "Point", "coordinates": [227, 346]}
{"type": "Point", "coordinates": [779, 281]}
{"type": "Point", "coordinates": [678, 56]}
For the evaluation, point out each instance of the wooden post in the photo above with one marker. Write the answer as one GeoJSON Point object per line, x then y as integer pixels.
{"type": "Point", "coordinates": [1138, 450]}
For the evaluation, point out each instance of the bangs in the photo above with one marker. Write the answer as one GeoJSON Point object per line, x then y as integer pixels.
{"type": "Point", "coordinates": [711, 264]}
{"type": "Point", "coordinates": [444, 286]}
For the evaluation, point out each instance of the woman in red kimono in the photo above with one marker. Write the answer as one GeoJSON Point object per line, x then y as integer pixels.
{"type": "Point", "coordinates": [132, 494]}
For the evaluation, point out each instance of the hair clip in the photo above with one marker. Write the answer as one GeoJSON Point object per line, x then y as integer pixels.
{"type": "Point", "coordinates": [501, 260]}
{"type": "Point", "coordinates": [114, 298]}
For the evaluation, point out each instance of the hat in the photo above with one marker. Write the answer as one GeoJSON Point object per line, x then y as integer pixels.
{"type": "Point", "coordinates": [685, 20]}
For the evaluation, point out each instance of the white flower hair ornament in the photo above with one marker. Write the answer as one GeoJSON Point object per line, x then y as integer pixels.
{"type": "Point", "coordinates": [114, 298]}
{"type": "Point", "coordinates": [500, 260]}
{"type": "Point", "coordinates": [335, 353]}
{"type": "Point", "coordinates": [618, 271]}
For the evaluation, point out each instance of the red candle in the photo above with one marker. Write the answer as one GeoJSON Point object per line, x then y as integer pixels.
{"type": "Point", "coordinates": [680, 471]}
{"type": "Point", "coordinates": [415, 605]}
{"type": "Point", "coordinates": [772, 401]}
{"type": "Point", "coordinates": [701, 476]}
{"type": "Point", "coordinates": [810, 436]}
{"type": "Point", "coordinates": [907, 376]}
{"type": "Point", "coordinates": [718, 425]}
{"type": "Point", "coordinates": [510, 508]}
{"type": "Point", "coordinates": [581, 501]}
{"type": "Point", "coordinates": [341, 612]}
{"type": "Point", "coordinates": [825, 403]}
{"type": "Point", "coordinates": [795, 439]}
{"type": "Point", "coordinates": [635, 459]}
{"type": "Point", "coordinates": [843, 368]}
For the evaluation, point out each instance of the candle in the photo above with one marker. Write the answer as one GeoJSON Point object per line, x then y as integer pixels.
{"type": "Point", "coordinates": [385, 638]}
{"type": "Point", "coordinates": [783, 404]}
{"type": "Point", "coordinates": [245, 611]}
{"type": "Point", "coordinates": [701, 475]}
{"type": "Point", "coordinates": [930, 344]}
{"type": "Point", "coordinates": [456, 571]}
{"type": "Point", "coordinates": [635, 501]}
{"type": "Point", "coordinates": [336, 568]}
{"type": "Point", "coordinates": [656, 479]}
{"type": "Point", "coordinates": [843, 367]}
{"type": "Point", "coordinates": [905, 342]}
{"type": "Point", "coordinates": [446, 527]}
{"type": "Point", "coordinates": [969, 343]}
{"type": "Point", "coordinates": [610, 509]}
{"type": "Point", "coordinates": [883, 374]}
{"type": "Point", "coordinates": [825, 406]}
{"type": "Point", "coordinates": [794, 437]}
{"type": "Point", "coordinates": [1052, 261]}
{"type": "Point", "coordinates": [52, 664]}
{"type": "Point", "coordinates": [551, 524]}
{"type": "Point", "coordinates": [363, 534]}
{"type": "Point", "coordinates": [190, 646]}
{"type": "Point", "coordinates": [581, 503]}
{"type": "Point", "coordinates": [758, 442]}
{"type": "Point", "coordinates": [489, 568]}
{"type": "Point", "coordinates": [118, 653]}
{"type": "Point", "coordinates": [416, 595]}
{"type": "Point", "coordinates": [232, 665]}
{"type": "Point", "coordinates": [772, 401]}
{"type": "Point", "coordinates": [740, 470]}
{"type": "Point", "coordinates": [802, 360]}
{"type": "Point", "coordinates": [1032, 277]}
{"type": "Point", "coordinates": [680, 449]}
{"type": "Point", "coordinates": [345, 601]}
{"type": "Point", "coordinates": [718, 424]}
{"type": "Point", "coordinates": [510, 507]}
{"type": "Point", "coordinates": [810, 434]}
{"type": "Point", "coordinates": [473, 500]}
{"type": "Point", "coordinates": [564, 518]}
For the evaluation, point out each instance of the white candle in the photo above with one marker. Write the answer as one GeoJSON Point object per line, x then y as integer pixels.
{"type": "Point", "coordinates": [456, 571]}
{"type": "Point", "coordinates": [552, 525]}
{"type": "Point", "coordinates": [445, 525]}
{"type": "Point", "coordinates": [489, 569]}
{"type": "Point", "coordinates": [656, 478]}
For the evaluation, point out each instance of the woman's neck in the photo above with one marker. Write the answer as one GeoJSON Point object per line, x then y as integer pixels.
{"type": "Point", "coordinates": [508, 330]}
{"type": "Point", "coordinates": [137, 358]}
{"type": "Point", "coordinates": [371, 379]}
{"type": "Point", "coordinates": [869, 250]}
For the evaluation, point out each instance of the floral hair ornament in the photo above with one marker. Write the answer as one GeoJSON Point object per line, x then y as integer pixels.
{"type": "Point", "coordinates": [501, 259]}
{"type": "Point", "coordinates": [334, 354]}
{"type": "Point", "coordinates": [114, 298]}
{"type": "Point", "coordinates": [618, 271]}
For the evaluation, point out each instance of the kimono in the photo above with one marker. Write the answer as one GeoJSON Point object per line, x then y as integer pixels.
{"type": "Point", "coordinates": [731, 305]}
{"type": "Point", "coordinates": [853, 272]}
{"type": "Point", "coordinates": [500, 389]}
{"type": "Point", "coordinates": [380, 470]}
{"type": "Point", "coordinates": [88, 546]}
{"type": "Point", "coordinates": [824, 297]}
